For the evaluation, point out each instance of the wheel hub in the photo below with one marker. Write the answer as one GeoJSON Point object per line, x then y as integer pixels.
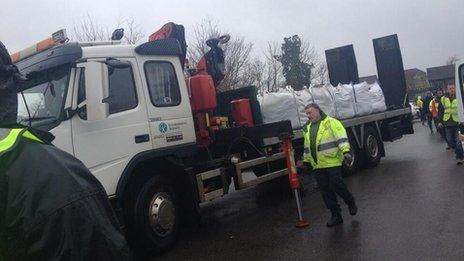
{"type": "Point", "coordinates": [372, 146]}
{"type": "Point", "coordinates": [162, 214]}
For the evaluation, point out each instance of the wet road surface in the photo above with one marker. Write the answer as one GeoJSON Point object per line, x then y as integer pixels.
{"type": "Point", "coordinates": [411, 207]}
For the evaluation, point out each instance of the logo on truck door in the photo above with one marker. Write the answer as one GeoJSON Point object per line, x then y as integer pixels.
{"type": "Point", "coordinates": [163, 127]}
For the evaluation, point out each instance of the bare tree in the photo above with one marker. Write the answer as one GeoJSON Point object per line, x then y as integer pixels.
{"type": "Point", "coordinates": [132, 30]}
{"type": "Point", "coordinates": [253, 74]}
{"type": "Point", "coordinates": [320, 74]}
{"type": "Point", "coordinates": [273, 78]}
{"type": "Point", "coordinates": [452, 60]}
{"type": "Point", "coordinates": [89, 29]}
{"type": "Point", "coordinates": [236, 51]}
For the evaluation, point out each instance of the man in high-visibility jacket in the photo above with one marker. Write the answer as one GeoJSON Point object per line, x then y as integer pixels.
{"type": "Point", "coordinates": [448, 116]}
{"type": "Point", "coordinates": [433, 108]}
{"type": "Point", "coordinates": [51, 206]}
{"type": "Point", "coordinates": [326, 146]}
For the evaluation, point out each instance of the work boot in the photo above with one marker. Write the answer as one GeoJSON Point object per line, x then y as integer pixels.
{"type": "Point", "coordinates": [353, 208]}
{"type": "Point", "coordinates": [335, 220]}
{"type": "Point", "coordinates": [459, 162]}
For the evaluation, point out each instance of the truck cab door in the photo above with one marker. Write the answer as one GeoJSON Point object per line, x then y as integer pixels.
{"type": "Point", "coordinates": [460, 90]}
{"type": "Point", "coordinates": [111, 125]}
{"type": "Point", "coordinates": [167, 99]}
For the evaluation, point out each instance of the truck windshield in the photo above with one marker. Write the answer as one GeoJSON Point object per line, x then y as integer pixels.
{"type": "Point", "coordinates": [43, 96]}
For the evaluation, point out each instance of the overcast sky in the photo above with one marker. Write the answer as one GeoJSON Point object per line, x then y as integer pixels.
{"type": "Point", "coordinates": [429, 31]}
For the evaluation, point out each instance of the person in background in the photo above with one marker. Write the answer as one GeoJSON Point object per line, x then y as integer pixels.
{"type": "Point", "coordinates": [426, 110]}
{"type": "Point", "coordinates": [433, 108]}
{"type": "Point", "coordinates": [448, 116]}
{"type": "Point", "coordinates": [420, 105]}
{"type": "Point", "coordinates": [326, 146]}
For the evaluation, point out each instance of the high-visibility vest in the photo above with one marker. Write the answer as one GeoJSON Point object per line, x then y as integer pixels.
{"type": "Point", "coordinates": [433, 108]}
{"type": "Point", "coordinates": [331, 144]}
{"type": "Point", "coordinates": [10, 136]}
{"type": "Point", "coordinates": [450, 109]}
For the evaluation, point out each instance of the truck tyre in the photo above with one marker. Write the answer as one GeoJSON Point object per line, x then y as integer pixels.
{"type": "Point", "coordinates": [156, 215]}
{"type": "Point", "coordinates": [357, 158]}
{"type": "Point", "coordinates": [372, 147]}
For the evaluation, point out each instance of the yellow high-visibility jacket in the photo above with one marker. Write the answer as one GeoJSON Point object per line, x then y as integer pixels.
{"type": "Point", "coordinates": [331, 144]}
{"type": "Point", "coordinates": [450, 109]}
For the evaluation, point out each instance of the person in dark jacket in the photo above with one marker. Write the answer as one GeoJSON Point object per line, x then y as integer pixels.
{"type": "Point", "coordinates": [426, 109]}
{"type": "Point", "coordinates": [51, 206]}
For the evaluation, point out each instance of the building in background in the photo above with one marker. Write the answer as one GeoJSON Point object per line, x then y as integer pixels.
{"type": "Point", "coordinates": [441, 76]}
{"type": "Point", "coordinates": [416, 82]}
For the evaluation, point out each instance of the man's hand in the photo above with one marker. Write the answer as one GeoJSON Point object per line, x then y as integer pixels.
{"type": "Point", "coordinates": [348, 158]}
{"type": "Point", "coordinates": [440, 125]}
{"type": "Point", "coordinates": [299, 164]}
{"type": "Point", "coordinates": [461, 137]}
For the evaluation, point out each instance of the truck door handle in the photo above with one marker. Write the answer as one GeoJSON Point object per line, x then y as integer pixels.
{"type": "Point", "coordinates": [142, 138]}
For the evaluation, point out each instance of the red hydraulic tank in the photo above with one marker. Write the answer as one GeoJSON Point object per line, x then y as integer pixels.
{"type": "Point", "coordinates": [203, 93]}
{"type": "Point", "coordinates": [241, 111]}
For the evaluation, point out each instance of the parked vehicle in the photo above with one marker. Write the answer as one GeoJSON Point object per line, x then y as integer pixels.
{"type": "Point", "coordinates": [159, 144]}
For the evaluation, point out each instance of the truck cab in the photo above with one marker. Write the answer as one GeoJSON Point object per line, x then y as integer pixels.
{"type": "Point", "coordinates": [125, 112]}
{"type": "Point", "coordinates": [111, 103]}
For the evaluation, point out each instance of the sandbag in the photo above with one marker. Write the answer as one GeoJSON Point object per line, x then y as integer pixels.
{"type": "Point", "coordinates": [280, 106]}
{"type": "Point", "coordinates": [363, 102]}
{"type": "Point", "coordinates": [378, 99]}
{"type": "Point", "coordinates": [323, 96]}
{"type": "Point", "coordinates": [303, 98]}
{"type": "Point", "coordinates": [344, 101]}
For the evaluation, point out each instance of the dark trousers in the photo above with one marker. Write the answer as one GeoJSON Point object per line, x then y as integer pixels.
{"type": "Point", "coordinates": [429, 121]}
{"type": "Point", "coordinates": [453, 141]}
{"type": "Point", "coordinates": [331, 184]}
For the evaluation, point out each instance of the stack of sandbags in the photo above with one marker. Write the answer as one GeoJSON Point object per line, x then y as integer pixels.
{"type": "Point", "coordinates": [363, 100]}
{"type": "Point", "coordinates": [323, 96]}
{"type": "Point", "coordinates": [344, 101]}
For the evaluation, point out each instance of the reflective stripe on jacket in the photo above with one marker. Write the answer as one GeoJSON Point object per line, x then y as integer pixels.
{"type": "Point", "coordinates": [10, 136]}
{"type": "Point", "coordinates": [450, 109]}
{"type": "Point", "coordinates": [331, 144]}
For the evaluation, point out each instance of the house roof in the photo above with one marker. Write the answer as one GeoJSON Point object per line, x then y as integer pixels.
{"type": "Point", "coordinates": [440, 72]}
{"type": "Point", "coordinates": [413, 71]}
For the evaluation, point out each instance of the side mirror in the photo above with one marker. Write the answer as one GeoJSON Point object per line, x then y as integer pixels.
{"type": "Point", "coordinates": [96, 90]}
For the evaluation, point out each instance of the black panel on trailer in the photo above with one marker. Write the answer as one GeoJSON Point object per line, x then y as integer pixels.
{"type": "Point", "coordinates": [390, 71]}
{"type": "Point", "coordinates": [342, 66]}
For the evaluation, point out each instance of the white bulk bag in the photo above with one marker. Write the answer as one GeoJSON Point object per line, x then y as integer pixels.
{"type": "Point", "coordinates": [280, 106]}
{"type": "Point", "coordinates": [344, 101]}
{"type": "Point", "coordinates": [303, 98]}
{"type": "Point", "coordinates": [378, 99]}
{"type": "Point", "coordinates": [323, 96]}
{"type": "Point", "coordinates": [363, 102]}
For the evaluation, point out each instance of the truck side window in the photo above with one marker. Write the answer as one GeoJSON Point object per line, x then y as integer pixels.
{"type": "Point", "coordinates": [81, 91]}
{"type": "Point", "coordinates": [162, 84]}
{"type": "Point", "coordinates": [122, 95]}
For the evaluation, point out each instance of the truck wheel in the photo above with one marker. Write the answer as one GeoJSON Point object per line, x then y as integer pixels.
{"type": "Point", "coordinates": [371, 147]}
{"type": "Point", "coordinates": [357, 158]}
{"type": "Point", "coordinates": [156, 215]}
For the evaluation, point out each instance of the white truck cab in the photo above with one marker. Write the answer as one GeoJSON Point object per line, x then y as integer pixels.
{"type": "Point", "coordinates": [124, 103]}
